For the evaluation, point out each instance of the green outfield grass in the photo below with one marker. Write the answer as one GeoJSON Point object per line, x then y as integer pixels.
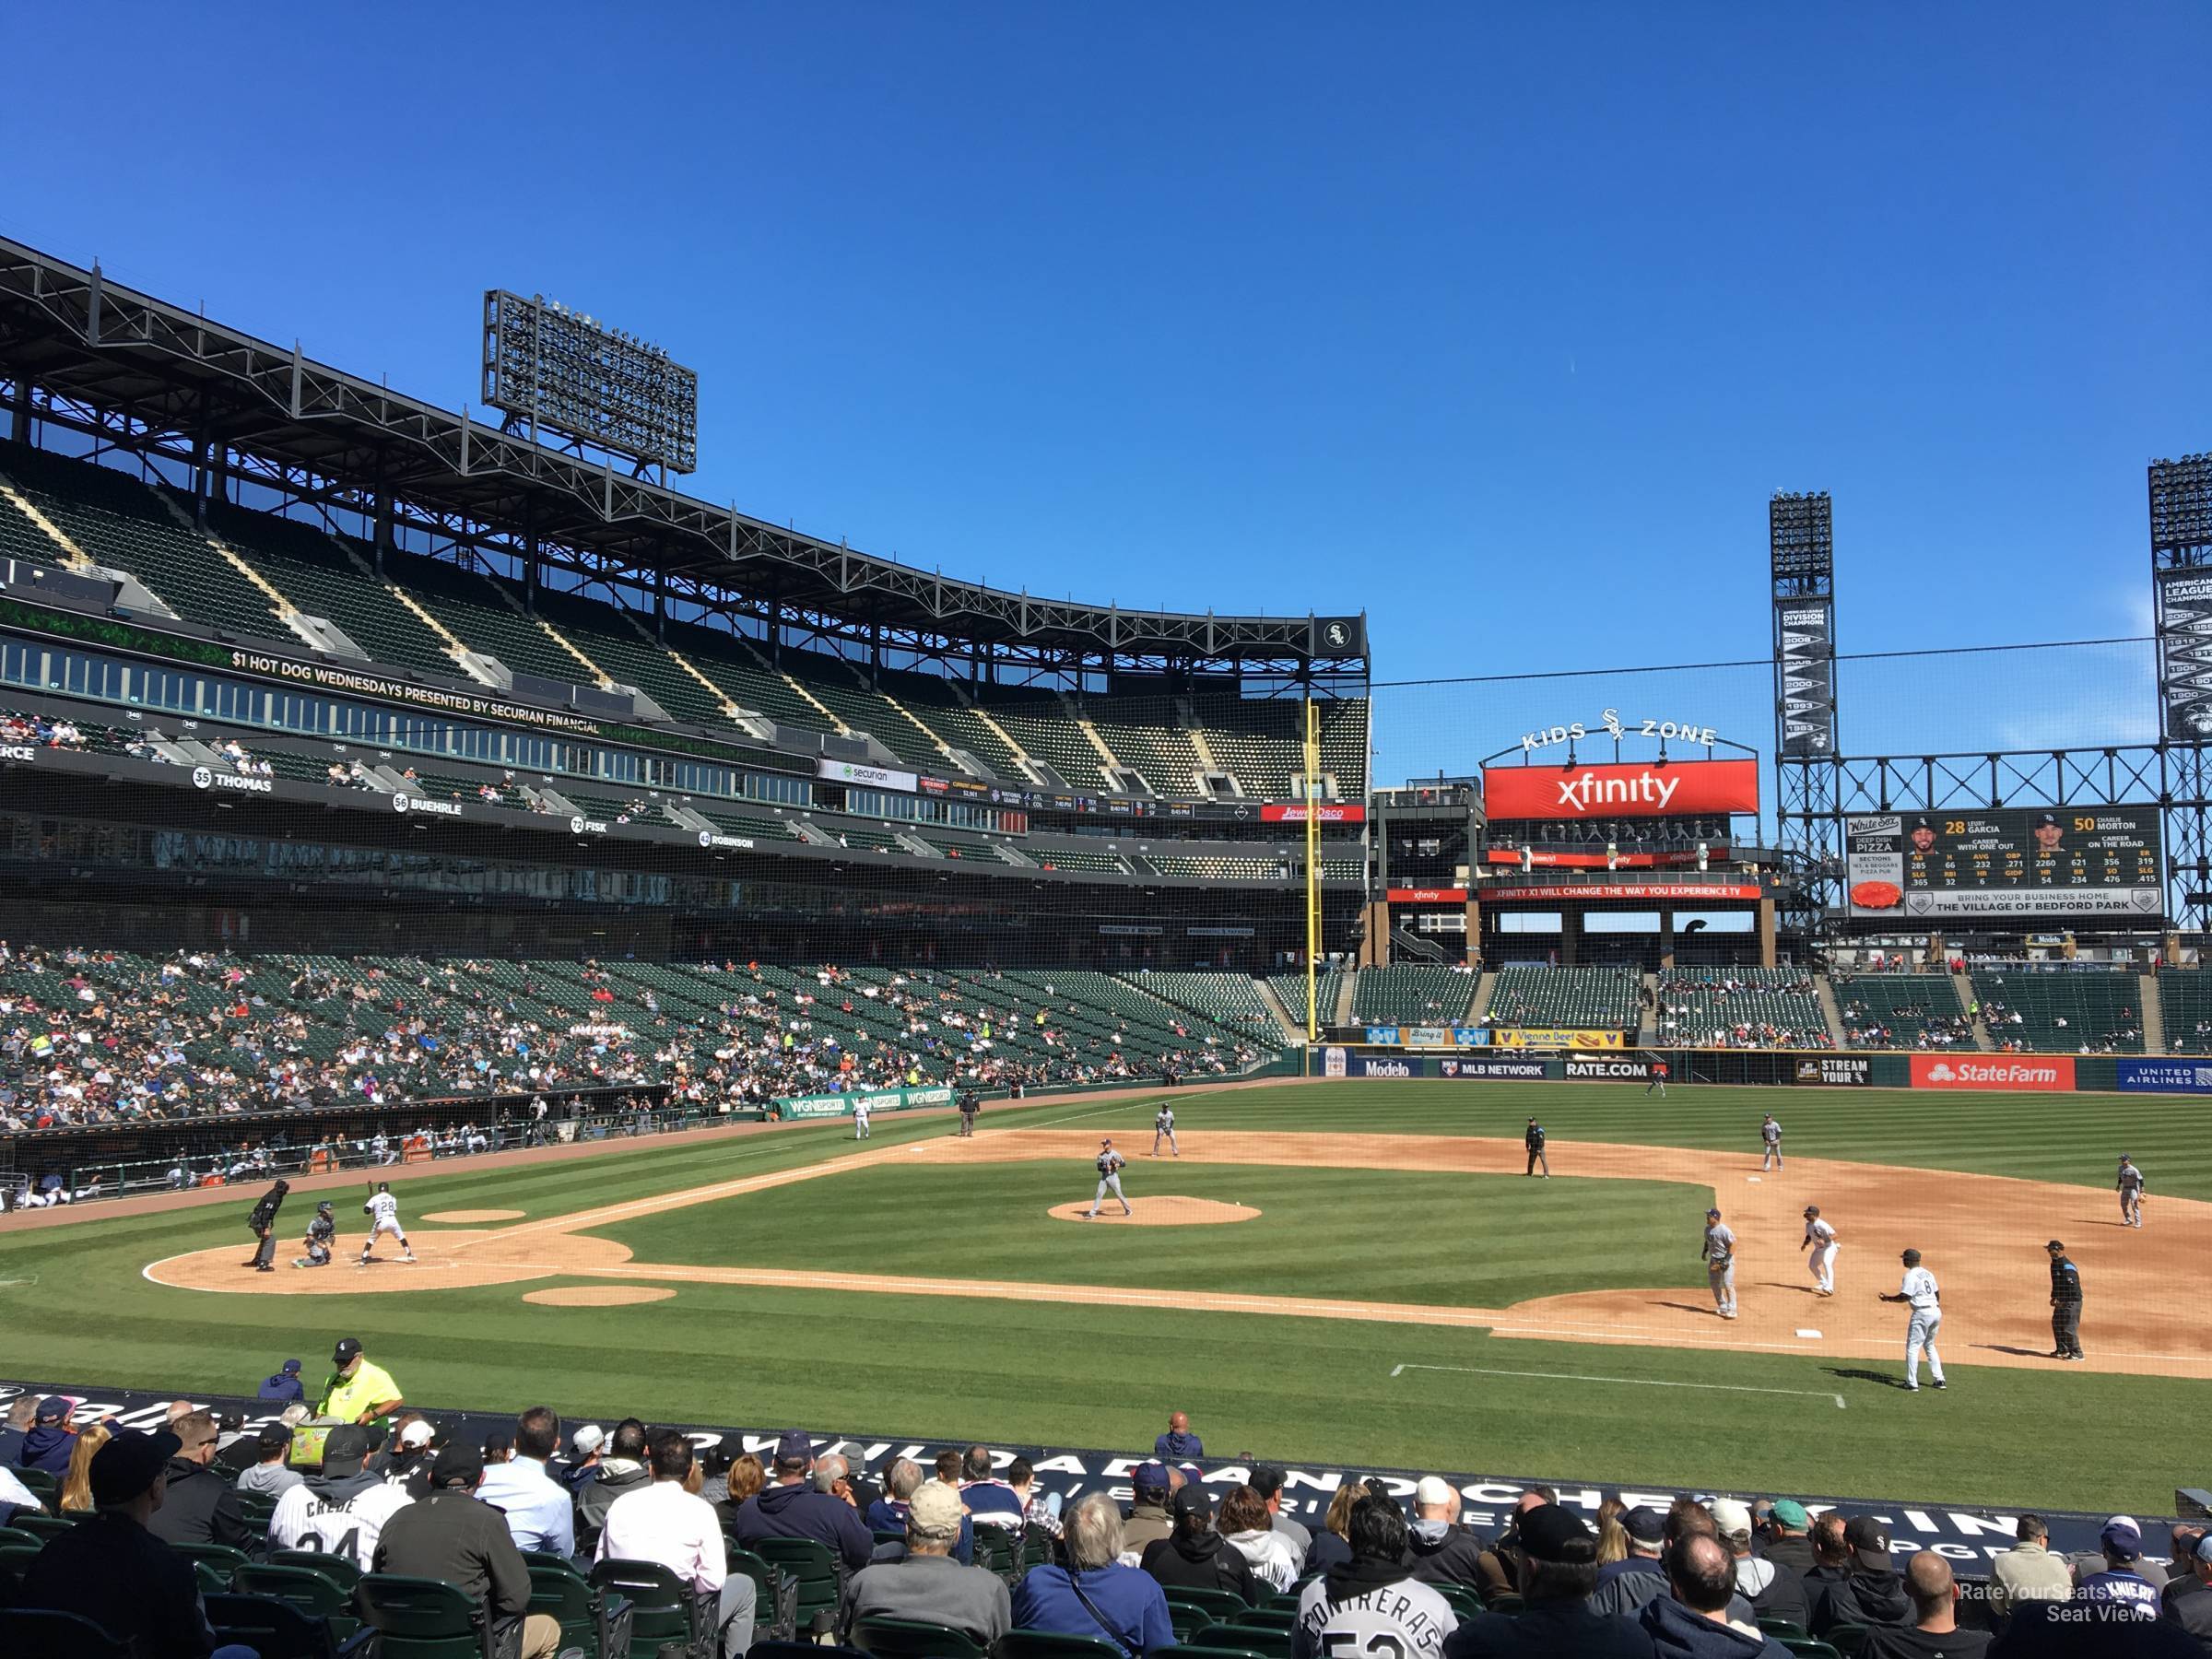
{"type": "Point", "coordinates": [73, 1307]}
{"type": "Point", "coordinates": [1324, 1232]}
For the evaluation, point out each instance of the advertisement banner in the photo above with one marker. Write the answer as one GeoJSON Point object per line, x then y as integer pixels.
{"type": "Point", "coordinates": [1715, 852]}
{"type": "Point", "coordinates": [1674, 892]}
{"type": "Point", "coordinates": [1608, 1068]}
{"type": "Point", "coordinates": [1805, 636]}
{"type": "Point", "coordinates": [1678, 789]}
{"type": "Point", "coordinates": [1428, 1037]}
{"type": "Point", "coordinates": [1426, 895]}
{"type": "Point", "coordinates": [1835, 1071]}
{"type": "Point", "coordinates": [1547, 1037]}
{"type": "Point", "coordinates": [878, 1100]}
{"type": "Point", "coordinates": [867, 777]}
{"type": "Point", "coordinates": [1332, 812]}
{"type": "Point", "coordinates": [1383, 1036]}
{"type": "Point", "coordinates": [2164, 1076]}
{"type": "Point", "coordinates": [1336, 1061]}
{"type": "Point", "coordinates": [1470, 1037]}
{"type": "Point", "coordinates": [1495, 1066]}
{"type": "Point", "coordinates": [2047, 1074]}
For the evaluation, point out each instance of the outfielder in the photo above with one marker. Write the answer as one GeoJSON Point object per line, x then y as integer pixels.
{"type": "Point", "coordinates": [2131, 1193]}
{"type": "Point", "coordinates": [1920, 1289]}
{"type": "Point", "coordinates": [1719, 1251]}
{"type": "Point", "coordinates": [860, 1118]}
{"type": "Point", "coordinates": [1165, 1125]}
{"type": "Point", "coordinates": [382, 1211]}
{"type": "Point", "coordinates": [1770, 1140]}
{"type": "Point", "coordinates": [322, 1238]}
{"type": "Point", "coordinates": [1821, 1238]}
{"type": "Point", "coordinates": [1110, 1181]}
{"type": "Point", "coordinates": [1658, 1079]}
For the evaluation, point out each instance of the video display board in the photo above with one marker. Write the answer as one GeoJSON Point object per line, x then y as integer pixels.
{"type": "Point", "coordinates": [2077, 861]}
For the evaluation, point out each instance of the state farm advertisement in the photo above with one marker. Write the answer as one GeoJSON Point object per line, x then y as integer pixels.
{"type": "Point", "coordinates": [1680, 788]}
{"type": "Point", "coordinates": [2047, 1074]}
{"type": "Point", "coordinates": [1332, 812]}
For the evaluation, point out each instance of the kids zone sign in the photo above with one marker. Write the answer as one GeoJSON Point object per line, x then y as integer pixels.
{"type": "Point", "coordinates": [1643, 789]}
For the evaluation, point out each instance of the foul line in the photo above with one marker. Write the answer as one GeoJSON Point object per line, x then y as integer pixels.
{"type": "Point", "coordinates": [1479, 1370]}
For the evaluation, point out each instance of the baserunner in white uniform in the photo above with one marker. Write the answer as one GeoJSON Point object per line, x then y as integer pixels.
{"type": "Point", "coordinates": [1770, 1138]}
{"type": "Point", "coordinates": [1821, 1238]}
{"type": "Point", "coordinates": [1110, 1181]}
{"type": "Point", "coordinates": [1719, 1251]}
{"type": "Point", "coordinates": [382, 1211]}
{"type": "Point", "coordinates": [1920, 1290]}
{"type": "Point", "coordinates": [2131, 1193]}
{"type": "Point", "coordinates": [1165, 1125]}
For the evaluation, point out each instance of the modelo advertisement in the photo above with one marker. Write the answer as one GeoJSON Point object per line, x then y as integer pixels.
{"type": "Point", "coordinates": [2162, 1077]}
{"type": "Point", "coordinates": [1339, 1062]}
{"type": "Point", "coordinates": [1834, 1071]}
{"type": "Point", "coordinates": [1608, 1068]}
{"type": "Point", "coordinates": [2037, 1073]}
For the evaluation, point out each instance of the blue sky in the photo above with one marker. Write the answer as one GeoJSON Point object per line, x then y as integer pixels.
{"type": "Point", "coordinates": [1500, 321]}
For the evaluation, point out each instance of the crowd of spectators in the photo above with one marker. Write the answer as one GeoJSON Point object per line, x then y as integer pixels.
{"type": "Point", "coordinates": [1744, 1013]}
{"type": "Point", "coordinates": [971, 1545]}
{"type": "Point", "coordinates": [91, 1037]}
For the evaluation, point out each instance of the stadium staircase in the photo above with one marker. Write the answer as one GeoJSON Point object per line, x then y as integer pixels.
{"type": "Point", "coordinates": [1968, 998]}
{"type": "Point", "coordinates": [1485, 987]}
{"type": "Point", "coordinates": [1340, 1010]}
{"type": "Point", "coordinates": [2154, 1015]}
{"type": "Point", "coordinates": [1826, 992]}
{"type": "Point", "coordinates": [1647, 1011]}
{"type": "Point", "coordinates": [1278, 1005]}
{"type": "Point", "coordinates": [2185, 1005]}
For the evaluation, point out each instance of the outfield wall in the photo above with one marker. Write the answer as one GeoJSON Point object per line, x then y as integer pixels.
{"type": "Point", "coordinates": [1817, 1068]}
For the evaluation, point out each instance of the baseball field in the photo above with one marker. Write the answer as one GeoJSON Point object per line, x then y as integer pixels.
{"type": "Point", "coordinates": [1352, 1272]}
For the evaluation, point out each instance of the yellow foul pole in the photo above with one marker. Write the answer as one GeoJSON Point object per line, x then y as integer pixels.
{"type": "Point", "coordinates": [1313, 870]}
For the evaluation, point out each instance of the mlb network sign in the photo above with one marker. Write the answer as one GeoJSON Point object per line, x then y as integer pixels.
{"type": "Point", "coordinates": [2044, 1073]}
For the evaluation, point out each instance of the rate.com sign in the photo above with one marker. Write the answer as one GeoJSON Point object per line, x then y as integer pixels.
{"type": "Point", "coordinates": [1680, 789]}
{"type": "Point", "coordinates": [2048, 1074]}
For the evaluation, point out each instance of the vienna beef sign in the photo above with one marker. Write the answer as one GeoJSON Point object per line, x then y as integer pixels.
{"type": "Point", "coordinates": [1646, 788]}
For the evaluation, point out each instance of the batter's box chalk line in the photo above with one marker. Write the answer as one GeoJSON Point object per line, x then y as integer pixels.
{"type": "Point", "coordinates": [1482, 1370]}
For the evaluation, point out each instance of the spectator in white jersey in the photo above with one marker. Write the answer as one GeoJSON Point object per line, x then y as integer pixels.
{"type": "Point", "coordinates": [341, 1510]}
{"type": "Point", "coordinates": [1372, 1604]}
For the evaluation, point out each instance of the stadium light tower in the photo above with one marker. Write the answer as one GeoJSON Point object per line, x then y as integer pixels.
{"type": "Point", "coordinates": [2181, 577]}
{"type": "Point", "coordinates": [546, 364]}
{"type": "Point", "coordinates": [1802, 565]}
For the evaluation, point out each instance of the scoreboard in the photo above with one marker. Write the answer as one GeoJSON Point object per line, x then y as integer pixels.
{"type": "Point", "coordinates": [2077, 861]}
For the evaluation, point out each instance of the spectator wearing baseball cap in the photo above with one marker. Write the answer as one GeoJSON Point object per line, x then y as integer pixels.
{"type": "Point", "coordinates": [901, 1480]}
{"type": "Point", "coordinates": [1267, 1479]}
{"type": "Point", "coordinates": [2122, 1580]}
{"type": "Point", "coordinates": [452, 1536]}
{"type": "Point", "coordinates": [928, 1585]}
{"type": "Point", "coordinates": [1194, 1556]}
{"type": "Point", "coordinates": [679, 1530]}
{"type": "Point", "coordinates": [111, 1570]}
{"type": "Point", "coordinates": [1867, 1590]}
{"type": "Point", "coordinates": [1149, 1487]}
{"type": "Point", "coordinates": [582, 1466]}
{"type": "Point", "coordinates": [346, 1500]}
{"type": "Point", "coordinates": [1243, 1524]}
{"type": "Point", "coordinates": [1788, 1545]}
{"type": "Point", "coordinates": [1093, 1592]}
{"type": "Point", "coordinates": [1773, 1591]}
{"type": "Point", "coordinates": [1556, 1621]}
{"type": "Point", "coordinates": [50, 1441]}
{"type": "Point", "coordinates": [283, 1386]}
{"type": "Point", "coordinates": [1624, 1587]}
{"type": "Point", "coordinates": [2187, 1599]}
{"type": "Point", "coordinates": [356, 1391]}
{"type": "Point", "coordinates": [1442, 1551]}
{"type": "Point", "coordinates": [622, 1470]}
{"type": "Point", "coordinates": [270, 1475]}
{"type": "Point", "coordinates": [788, 1507]}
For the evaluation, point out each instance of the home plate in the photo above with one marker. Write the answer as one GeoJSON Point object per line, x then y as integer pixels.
{"type": "Point", "coordinates": [1809, 1335]}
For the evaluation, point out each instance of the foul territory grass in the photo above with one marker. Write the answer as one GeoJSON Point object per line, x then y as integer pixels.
{"type": "Point", "coordinates": [1366, 1235]}
{"type": "Point", "coordinates": [74, 1309]}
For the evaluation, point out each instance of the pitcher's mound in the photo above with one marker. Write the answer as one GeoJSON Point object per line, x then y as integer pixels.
{"type": "Point", "coordinates": [461, 1217]}
{"type": "Point", "coordinates": [1159, 1212]}
{"type": "Point", "coordinates": [597, 1296]}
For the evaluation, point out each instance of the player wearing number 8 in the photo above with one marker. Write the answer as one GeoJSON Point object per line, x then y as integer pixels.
{"type": "Point", "coordinates": [1371, 1608]}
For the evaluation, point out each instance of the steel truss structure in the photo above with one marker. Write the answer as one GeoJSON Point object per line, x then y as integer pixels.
{"type": "Point", "coordinates": [1809, 817]}
{"type": "Point", "coordinates": [224, 408]}
{"type": "Point", "coordinates": [1816, 796]}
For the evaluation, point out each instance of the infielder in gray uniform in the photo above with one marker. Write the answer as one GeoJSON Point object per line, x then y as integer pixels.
{"type": "Point", "coordinates": [1719, 1251]}
{"type": "Point", "coordinates": [1769, 1136]}
{"type": "Point", "coordinates": [1919, 1288]}
{"type": "Point", "coordinates": [2131, 1193]}
{"type": "Point", "coordinates": [1110, 1181]}
{"type": "Point", "coordinates": [1165, 1125]}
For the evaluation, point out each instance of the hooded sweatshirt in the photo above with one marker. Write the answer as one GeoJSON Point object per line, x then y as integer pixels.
{"type": "Point", "coordinates": [798, 1511]}
{"type": "Point", "coordinates": [616, 1477]}
{"type": "Point", "coordinates": [1201, 1561]}
{"type": "Point", "coordinates": [47, 1446]}
{"type": "Point", "coordinates": [1678, 1632]}
{"type": "Point", "coordinates": [1440, 1553]}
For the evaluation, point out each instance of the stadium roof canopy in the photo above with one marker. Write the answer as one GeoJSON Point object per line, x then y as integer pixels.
{"type": "Point", "coordinates": [148, 376]}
